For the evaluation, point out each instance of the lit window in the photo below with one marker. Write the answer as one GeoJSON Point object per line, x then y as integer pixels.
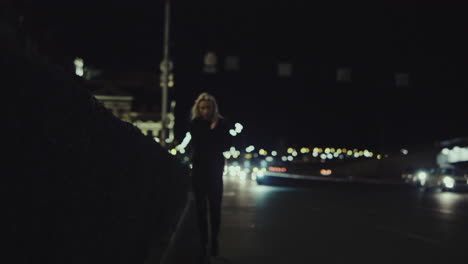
{"type": "Point", "coordinates": [210, 61]}
{"type": "Point", "coordinates": [231, 63]}
{"type": "Point", "coordinates": [343, 74]}
{"type": "Point", "coordinates": [401, 79]}
{"type": "Point", "coordinates": [284, 69]}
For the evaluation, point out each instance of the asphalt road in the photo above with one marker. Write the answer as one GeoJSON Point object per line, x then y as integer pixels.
{"type": "Point", "coordinates": [325, 222]}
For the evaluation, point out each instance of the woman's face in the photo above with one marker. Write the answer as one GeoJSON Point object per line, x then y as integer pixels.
{"type": "Point", "coordinates": [206, 109]}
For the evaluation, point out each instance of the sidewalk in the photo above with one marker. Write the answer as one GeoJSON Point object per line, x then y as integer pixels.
{"type": "Point", "coordinates": [184, 247]}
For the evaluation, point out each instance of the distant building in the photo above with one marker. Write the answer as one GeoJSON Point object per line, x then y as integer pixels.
{"type": "Point", "coordinates": [134, 97]}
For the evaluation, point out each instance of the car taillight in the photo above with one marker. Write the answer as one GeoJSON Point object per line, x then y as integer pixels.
{"type": "Point", "coordinates": [277, 169]}
{"type": "Point", "coordinates": [325, 172]}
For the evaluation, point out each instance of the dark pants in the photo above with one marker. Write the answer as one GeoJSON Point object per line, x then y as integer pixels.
{"type": "Point", "coordinates": [208, 189]}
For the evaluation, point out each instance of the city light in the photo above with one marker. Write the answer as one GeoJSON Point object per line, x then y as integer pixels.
{"type": "Point", "coordinates": [274, 153]}
{"type": "Point", "coordinates": [449, 182]}
{"type": "Point", "coordinates": [79, 67]}
{"type": "Point", "coordinates": [250, 149]}
{"type": "Point", "coordinates": [233, 132]}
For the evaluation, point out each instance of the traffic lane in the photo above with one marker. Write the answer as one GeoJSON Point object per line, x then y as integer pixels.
{"type": "Point", "coordinates": [333, 222]}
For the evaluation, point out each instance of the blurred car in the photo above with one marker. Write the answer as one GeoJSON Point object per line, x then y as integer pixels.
{"type": "Point", "coordinates": [408, 174]}
{"type": "Point", "coordinates": [292, 171]}
{"type": "Point", "coordinates": [438, 178]}
{"type": "Point", "coordinates": [453, 179]}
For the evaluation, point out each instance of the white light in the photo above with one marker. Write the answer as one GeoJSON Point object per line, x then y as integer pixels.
{"type": "Point", "coordinates": [79, 64]}
{"type": "Point", "coordinates": [356, 155]}
{"type": "Point", "coordinates": [315, 154]}
{"type": "Point", "coordinates": [233, 132]}
{"type": "Point", "coordinates": [404, 151]}
{"type": "Point", "coordinates": [323, 156]}
{"type": "Point", "coordinates": [284, 158]}
{"type": "Point", "coordinates": [269, 159]}
{"type": "Point", "coordinates": [458, 154]}
{"type": "Point", "coordinates": [329, 156]}
{"type": "Point", "coordinates": [422, 176]}
{"type": "Point", "coordinates": [79, 72]}
{"type": "Point", "coordinates": [238, 127]}
{"type": "Point", "coordinates": [242, 175]}
{"type": "Point", "coordinates": [445, 151]}
{"type": "Point", "coordinates": [449, 182]}
{"type": "Point", "coordinates": [182, 151]}
{"type": "Point", "coordinates": [336, 154]}
{"type": "Point", "coordinates": [250, 149]}
{"type": "Point", "coordinates": [274, 153]}
{"type": "Point", "coordinates": [260, 174]}
{"type": "Point", "coordinates": [294, 153]}
{"type": "Point", "coordinates": [290, 158]}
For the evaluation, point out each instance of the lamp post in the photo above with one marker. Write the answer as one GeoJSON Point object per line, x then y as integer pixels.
{"type": "Point", "coordinates": [165, 72]}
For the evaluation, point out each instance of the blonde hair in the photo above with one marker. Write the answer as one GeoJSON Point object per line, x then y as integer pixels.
{"type": "Point", "coordinates": [205, 97]}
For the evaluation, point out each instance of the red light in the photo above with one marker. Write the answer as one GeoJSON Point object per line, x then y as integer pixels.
{"type": "Point", "coordinates": [277, 169]}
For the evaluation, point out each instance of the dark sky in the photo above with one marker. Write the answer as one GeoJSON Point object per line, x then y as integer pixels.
{"type": "Point", "coordinates": [310, 108]}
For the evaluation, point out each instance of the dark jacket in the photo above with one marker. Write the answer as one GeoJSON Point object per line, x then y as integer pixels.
{"type": "Point", "coordinates": [209, 144]}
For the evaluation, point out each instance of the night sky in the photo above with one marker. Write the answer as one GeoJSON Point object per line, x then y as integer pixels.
{"type": "Point", "coordinates": [311, 108]}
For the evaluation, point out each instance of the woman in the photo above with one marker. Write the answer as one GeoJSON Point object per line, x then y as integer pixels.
{"type": "Point", "coordinates": [210, 139]}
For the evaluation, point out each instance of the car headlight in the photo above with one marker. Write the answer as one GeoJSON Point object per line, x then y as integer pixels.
{"type": "Point", "coordinates": [449, 182]}
{"type": "Point", "coordinates": [422, 176]}
{"type": "Point", "coordinates": [260, 174]}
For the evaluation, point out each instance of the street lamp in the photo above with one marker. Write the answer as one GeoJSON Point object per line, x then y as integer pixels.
{"type": "Point", "coordinates": [165, 72]}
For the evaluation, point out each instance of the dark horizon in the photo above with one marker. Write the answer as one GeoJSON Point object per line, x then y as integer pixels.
{"type": "Point", "coordinates": [303, 109]}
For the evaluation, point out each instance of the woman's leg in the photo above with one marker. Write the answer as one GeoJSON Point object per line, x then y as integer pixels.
{"type": "Point", "coordinates": [202, 215]}
{"type": "Point", "coordinates": [215, 196]}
